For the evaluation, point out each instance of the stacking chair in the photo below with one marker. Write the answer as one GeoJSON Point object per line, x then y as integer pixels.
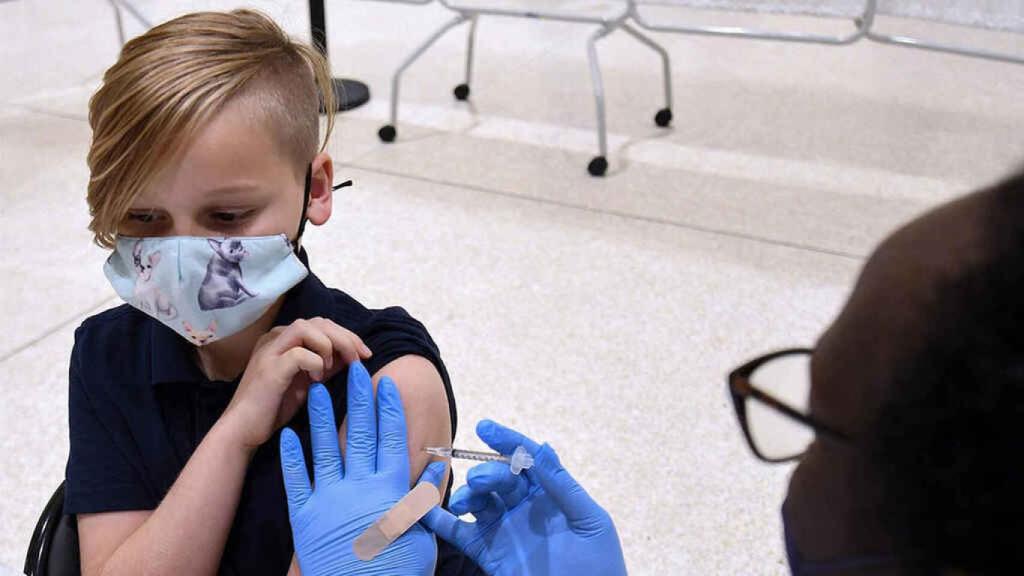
{"type": "Point", "coordinates": [53, 549]}
{"type": "Point", "coordinates": [608, 16]}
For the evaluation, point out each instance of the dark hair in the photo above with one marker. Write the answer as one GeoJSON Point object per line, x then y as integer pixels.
{"type": "Point", "coordinates": [948, 442]}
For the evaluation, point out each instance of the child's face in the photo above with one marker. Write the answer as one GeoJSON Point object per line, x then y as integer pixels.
{"type": "Point", "coordinates": [231, 180]}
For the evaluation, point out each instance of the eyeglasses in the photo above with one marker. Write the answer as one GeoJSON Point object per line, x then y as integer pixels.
{"type": "Point", "coordinates": [771, 395]}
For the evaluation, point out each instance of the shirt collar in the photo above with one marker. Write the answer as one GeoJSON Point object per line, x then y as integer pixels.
{"type": "Point", "coordinates": [171, 356]}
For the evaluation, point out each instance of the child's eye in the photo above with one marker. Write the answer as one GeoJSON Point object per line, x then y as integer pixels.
{"type": "Point", "coordinates": [230, 217]}
{"type": "Point", "coordinates": [144, 217]}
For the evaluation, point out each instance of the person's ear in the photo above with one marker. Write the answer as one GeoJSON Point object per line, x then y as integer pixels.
{"type": "Point", "coordinates": [320, 193]}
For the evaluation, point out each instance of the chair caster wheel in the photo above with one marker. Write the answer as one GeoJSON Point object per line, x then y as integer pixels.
{"type": "Point", "coordinates": [387, 133]}
{"type": "Point", "coordinates": [664, 117]}
{"type": "Point", "coordinates": [461, 92]}
{"type": "Point", "coordinates": [598, 166]}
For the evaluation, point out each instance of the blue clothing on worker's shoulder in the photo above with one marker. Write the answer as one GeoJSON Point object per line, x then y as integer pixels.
{"type": "Point", "coordinates": [140, 405]}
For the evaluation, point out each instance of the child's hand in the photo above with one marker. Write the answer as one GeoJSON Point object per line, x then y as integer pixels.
{"type": "Point", "coordinates": [284, 363]}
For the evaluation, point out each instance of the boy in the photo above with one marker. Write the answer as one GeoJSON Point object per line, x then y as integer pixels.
{"type": "Point", "coordinates": [204, 169]}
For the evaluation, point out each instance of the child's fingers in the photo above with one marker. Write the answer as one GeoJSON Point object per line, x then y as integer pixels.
{"type": "Point", "coordinates": [364, 350]}
{"type": "Point", "coordinates": [305, 334]}
{"type": "Point", "coordinates": [349, 346]}
{"type": "Point", "coordinates": [302, 360]}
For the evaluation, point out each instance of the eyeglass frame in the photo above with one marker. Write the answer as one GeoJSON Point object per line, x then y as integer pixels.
{"type": "Point", "coordinates": [741, 388]}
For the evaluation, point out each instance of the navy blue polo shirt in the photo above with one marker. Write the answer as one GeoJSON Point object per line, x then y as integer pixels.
{"type": "Point", "coordinates": [140, 405]}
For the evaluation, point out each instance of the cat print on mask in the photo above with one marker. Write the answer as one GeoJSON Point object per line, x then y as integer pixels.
{"type": "Point", "coordinates": [222, 287]}
{"type": "Point", "coordinates": [200, 337]}
{"type": "Point", "coordinates": [147, 294]}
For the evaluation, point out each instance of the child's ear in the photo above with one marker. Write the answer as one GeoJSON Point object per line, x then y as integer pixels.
{"type": "Point", "coordinates": [320, 193]}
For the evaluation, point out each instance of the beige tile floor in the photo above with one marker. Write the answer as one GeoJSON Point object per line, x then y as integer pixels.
{"type": "Point", "coordinates": [600, 315]}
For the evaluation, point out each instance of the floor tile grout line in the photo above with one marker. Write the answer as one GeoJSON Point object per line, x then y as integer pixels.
{"type": "Point", "coordinates": [617, 213]}
{"type": "Point", "coordinates": [54, 329]}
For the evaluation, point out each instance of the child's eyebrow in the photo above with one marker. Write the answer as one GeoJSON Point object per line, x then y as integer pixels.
{"type": "Point", "coordinates": [212, 196]}
{"type": "Point", "coordinates": [232, 194]}
{"type": "Point", "coordinates": [236, 188]}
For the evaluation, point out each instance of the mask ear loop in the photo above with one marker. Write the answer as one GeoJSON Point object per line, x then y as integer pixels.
{"type": "Point", "coordinates": [305, 202]}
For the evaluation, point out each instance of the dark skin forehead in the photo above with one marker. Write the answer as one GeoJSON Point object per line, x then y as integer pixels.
{"type": "Point", "coordinates": [888, 309]}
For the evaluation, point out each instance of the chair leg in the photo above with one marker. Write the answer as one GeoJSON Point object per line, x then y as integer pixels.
{"type": "Point", "coordinates": [117, 5]}
{"type": "Point", "coordinates": [664, 116]}
{"type": "Point", "coordinates": [120, 22]}
{"type": "Point", "coordinates": [387, 133]}
{"type": "Point", "coordinates": [599, 164]}
{"type": "Point", "coordinates": [462, 91]}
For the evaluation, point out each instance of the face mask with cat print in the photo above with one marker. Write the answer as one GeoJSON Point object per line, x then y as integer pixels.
{"type": "Point", "coordinates": [204, 288]}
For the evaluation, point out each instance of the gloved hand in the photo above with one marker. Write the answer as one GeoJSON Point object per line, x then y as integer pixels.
{"type": "Point", "coordinates": [347, 499]}
{"type": "Point", "coordinates": [543, 523]}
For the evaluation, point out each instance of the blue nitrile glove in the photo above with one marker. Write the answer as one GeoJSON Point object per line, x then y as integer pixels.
{"type": "Point", "coordinates": [542, 524]}
{"type": "Point", "coordinates": [327, 519]}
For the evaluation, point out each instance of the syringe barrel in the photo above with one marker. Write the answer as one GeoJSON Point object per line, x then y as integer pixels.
{"type": "Point", "coordinates": [478, 456]}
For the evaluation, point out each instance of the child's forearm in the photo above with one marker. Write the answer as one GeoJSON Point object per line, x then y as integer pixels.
{"type": "Point", "coordinates": [187, 532]}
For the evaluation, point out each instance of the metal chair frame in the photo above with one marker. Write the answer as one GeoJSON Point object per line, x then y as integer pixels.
{"type": "Point", "coordinates": [606, 25]}
{"type": "Point", "coordinates": [864, 29]}
{"type": "Point", "coordinates": [863, 25]}
{"type": "Point", "coordinates": [119, 5]}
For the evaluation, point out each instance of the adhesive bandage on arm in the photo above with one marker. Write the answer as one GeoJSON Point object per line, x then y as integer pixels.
{"type": "Point", "coordinates": [396, 521]}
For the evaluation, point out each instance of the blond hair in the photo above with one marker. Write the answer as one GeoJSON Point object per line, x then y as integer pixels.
{"type": "Point", "coordinates": [168, 82]}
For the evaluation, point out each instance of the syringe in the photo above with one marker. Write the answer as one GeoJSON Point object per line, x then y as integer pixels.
{"type": "Point", "coordinates": [520, 459]}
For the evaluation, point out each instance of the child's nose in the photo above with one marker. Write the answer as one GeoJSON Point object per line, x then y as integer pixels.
{"type": "Point", "coordinates": [183, 228]}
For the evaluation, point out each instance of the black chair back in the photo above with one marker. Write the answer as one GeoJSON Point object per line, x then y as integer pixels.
{"type": "Point", "coordinates": [53, 550]}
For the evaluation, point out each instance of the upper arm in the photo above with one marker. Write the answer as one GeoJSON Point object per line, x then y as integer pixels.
{"type": "Point", "coordinates": [100, 535]}
{"type": "Point", "coordinates": [425, 403]}
{"type": "Point", "coordinates": [102, 487]}
{"type": "Point", "coordinates": [427, 415]}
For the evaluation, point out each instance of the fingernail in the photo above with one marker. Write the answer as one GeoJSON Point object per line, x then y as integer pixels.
{"type": "Point", "coordinates": [366, 351]}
